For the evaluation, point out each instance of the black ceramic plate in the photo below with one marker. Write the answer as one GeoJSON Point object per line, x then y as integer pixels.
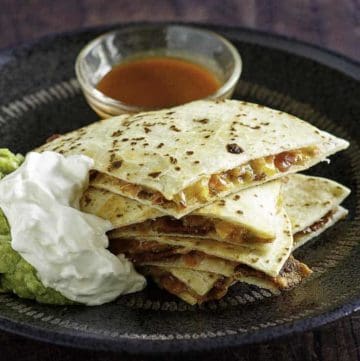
{"type": "Point", "coordinates": [39, 96]}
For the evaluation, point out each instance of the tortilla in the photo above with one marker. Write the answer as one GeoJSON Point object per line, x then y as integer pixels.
{"type": "Point", "coordinates": [304, 236]}
{"type": "Point", "coordinates": [194, 286]}
{"type": "Point", "coordinates": [120, 211]}
{"type": "Point", "coordinates": [249, 217]}
{"type": "Point", "coordinates": [200, 282]}
{"type": "Point", "coordinates": [180, 159]}
{"type": "Point", "coordinates": [268, 258]}
{"type": "Point", "coordinates": [291, 274]}
{"type": "Point", "coordinates": [312, 204]}
{"type": "Point", "coordinates": [196, 261]}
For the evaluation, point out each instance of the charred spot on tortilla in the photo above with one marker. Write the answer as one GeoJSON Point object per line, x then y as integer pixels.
{"type": "Point", "coordinates": [234, 148]}
{"type": "Point", "coordinates": [154, 174]}
{"type": "Point", "coordinates": [160, 145]}
{"type": "Point", "coordinates": [175, 129]}
{"type": "Point", "coordinates": [178, 169]}
{"type": "Point", "coordinates": [236, 197]}
{"type": "Point", "coordinates": [147, 130]}
{"type": "Point", "coordinates": [116, 164]}
{"type": "Point", "coordinates": [117, 133]}
{"type": "Point", "coordinates": [189, 152]}
{"type": "Point", "coordinates": [138, 138]}
{"type": "Point", "coordinates": [173, 160]}
{"type": "Point", "coordinates": [249, 126]}
{"type": "Point", "coordinates": [201, 121]}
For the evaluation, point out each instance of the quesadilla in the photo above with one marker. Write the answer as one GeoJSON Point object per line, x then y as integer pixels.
{"type": "Point", "coordinates": [313, 205]}
{"type": "Point", "coordinates": [238, 218]}
{"type": "Point", "coordinates": [196, 287]}
{"type": "Point", "coordinates": [268, 258]}
{"type": "Point", "coordinates": [291, 274]}
{"type": "Point", "coordinates": [180, 159]}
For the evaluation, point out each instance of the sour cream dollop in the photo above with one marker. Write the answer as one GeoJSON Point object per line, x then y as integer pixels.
{"type": "Point", "coordinates": [66, 246]}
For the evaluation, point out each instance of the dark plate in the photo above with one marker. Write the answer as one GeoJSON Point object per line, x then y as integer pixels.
{"type": "Point", "coordinates": [39, 96]}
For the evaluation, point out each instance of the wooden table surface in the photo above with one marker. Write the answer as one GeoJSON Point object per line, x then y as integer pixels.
{"type": "Point", "coordinates": [334, 24]}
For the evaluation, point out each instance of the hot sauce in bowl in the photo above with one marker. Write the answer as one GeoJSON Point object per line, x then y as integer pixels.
{"type": "Point", "coordinates": [158, 82]}
{"type": "Point", "coordinates": [147, 67]}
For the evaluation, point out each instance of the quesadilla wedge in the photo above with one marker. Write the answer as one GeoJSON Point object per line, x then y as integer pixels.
{"type": "Point", "coordinates": [180, 159]}
{"type": "Point", "coordinates": [196, 287]}
{"type": "Point", "coordinates": [248, 216]}
{"type": "Point", "coordinates": [268, 258]}
{"type": "Point", "coordinates": [313, 205]}
{"type": "Point", "coordinates": [291, 274]}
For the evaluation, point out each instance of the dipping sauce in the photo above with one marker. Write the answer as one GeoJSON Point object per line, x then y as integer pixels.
{"type": "Point", "coordinates": [158, 82]}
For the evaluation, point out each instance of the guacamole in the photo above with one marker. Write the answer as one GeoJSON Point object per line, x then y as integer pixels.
{"type": "Point", "coordinates": [17, 275]}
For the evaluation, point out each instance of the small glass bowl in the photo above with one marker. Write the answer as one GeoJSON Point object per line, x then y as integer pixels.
{"type": "Point", "coordinates": [203, 47]}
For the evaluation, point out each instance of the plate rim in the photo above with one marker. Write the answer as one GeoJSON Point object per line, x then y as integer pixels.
{"type": "Point", "coordinates": [324, 56]}
{"type": "Point", "coordinates": [94, 342]}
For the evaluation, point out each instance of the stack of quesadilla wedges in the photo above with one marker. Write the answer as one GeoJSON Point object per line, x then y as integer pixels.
{"type": "Point", "coordinates": [203, 195]}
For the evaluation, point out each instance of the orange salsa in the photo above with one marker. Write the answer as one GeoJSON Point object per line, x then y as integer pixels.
{"type": "Point", "coordinates": [158, 82]}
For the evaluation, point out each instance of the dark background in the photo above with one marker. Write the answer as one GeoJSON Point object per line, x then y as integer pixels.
{"type": "Point", "coordinates": [334, 24]}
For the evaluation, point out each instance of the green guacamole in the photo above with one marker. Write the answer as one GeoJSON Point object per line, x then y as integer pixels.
{"type": "Point", "coordinates": [17, 275]}
{"type": "Point", "coordinates": [9, 161]}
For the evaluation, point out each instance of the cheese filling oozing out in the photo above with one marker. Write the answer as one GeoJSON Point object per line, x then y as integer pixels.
{"type": "Point", "coordinates": [206, 188]}
{"type": "Point", "coordinates": [316, 225]}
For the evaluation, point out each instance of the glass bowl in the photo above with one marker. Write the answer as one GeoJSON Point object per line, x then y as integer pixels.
{"type": "Point", "coordinates": [203, 47]}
